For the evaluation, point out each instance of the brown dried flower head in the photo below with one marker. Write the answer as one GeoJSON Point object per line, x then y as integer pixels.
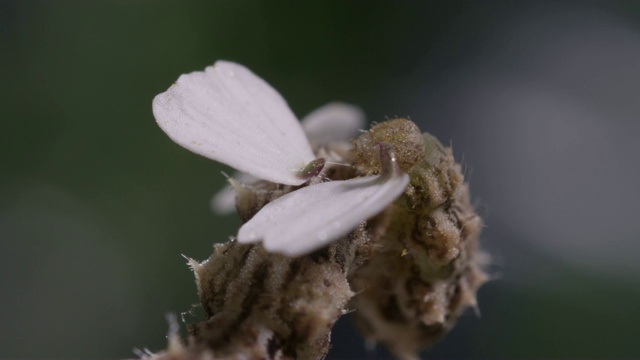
{"type": "Point", "coordinates": [391, 235]}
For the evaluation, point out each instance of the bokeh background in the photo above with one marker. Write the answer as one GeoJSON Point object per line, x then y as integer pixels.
{"type": "Point", "coordinates": [540, 100]}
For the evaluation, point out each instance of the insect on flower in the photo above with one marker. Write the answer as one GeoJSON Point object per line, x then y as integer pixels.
{"type": "Point", "coordinates": [230, 115]}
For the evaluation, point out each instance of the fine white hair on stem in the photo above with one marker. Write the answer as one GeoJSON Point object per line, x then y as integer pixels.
{"type": "Point", "coordinates": [337, 163]}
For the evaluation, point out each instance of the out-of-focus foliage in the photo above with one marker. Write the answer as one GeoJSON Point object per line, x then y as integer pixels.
{"type": "Point", "coordinates": [97, 204]}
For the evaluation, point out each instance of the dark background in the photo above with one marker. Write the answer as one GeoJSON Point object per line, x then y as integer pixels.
{"type": "Point", "coordinates": [540, 101]}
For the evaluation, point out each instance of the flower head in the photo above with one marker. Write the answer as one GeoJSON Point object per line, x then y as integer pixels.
{"type": "Point", "coordinates": [230, 115]}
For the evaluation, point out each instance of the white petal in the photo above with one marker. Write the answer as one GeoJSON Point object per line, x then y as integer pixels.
{"type": "Point", "coordinates": [230, 115]}
{"type": "Point", "coordinates": [224, 202]}
{"type": "Point", "coordinates": [312, 217]}
{"type": "Point", "coordinates": [333, 122]}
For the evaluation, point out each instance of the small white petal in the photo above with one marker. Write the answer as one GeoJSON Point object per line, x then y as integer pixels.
{"type": "Point", "coordinates": [224, 202]}
{"type": "Point", "coordinates": [333, 122]}
{"type": "Point", "coordinates": [312, 217]}
{"type": "Point", "coordinates": [230, 115]}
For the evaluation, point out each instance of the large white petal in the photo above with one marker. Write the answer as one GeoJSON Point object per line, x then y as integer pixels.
{"type": "Point", "coordinates": [230, 115]}
{"type": "Point", "coordinates": [333, 122]}
{"type": "Point", "coordinates": [312, 217]}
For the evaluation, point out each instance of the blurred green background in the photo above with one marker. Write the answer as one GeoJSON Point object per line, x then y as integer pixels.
{"type": "Point", "coordinates": [97, 205]}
